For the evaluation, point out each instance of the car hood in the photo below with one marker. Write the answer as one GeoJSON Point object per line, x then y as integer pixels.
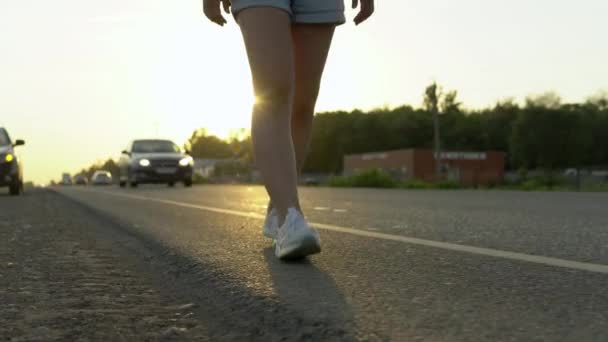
{"type": "Point", "coordinates": [5, 149]}
{"type": "Point", "coordinates": [175, 156]}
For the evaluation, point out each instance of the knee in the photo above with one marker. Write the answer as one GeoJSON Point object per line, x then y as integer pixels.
{"type": "Point", "coordinates": [305, 98]}
{"type": "Point", "coordinates": [274, 93]}
{"type": "Point", "coordinates": [304, 103]}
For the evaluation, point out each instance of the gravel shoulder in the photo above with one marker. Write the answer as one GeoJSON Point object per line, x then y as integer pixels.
{"type": "Point", "coordinates": [63, 277]}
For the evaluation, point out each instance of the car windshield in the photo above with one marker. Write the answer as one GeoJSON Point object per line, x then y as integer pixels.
{"type": "Point", "coordinates": [4, 140]}
{"type": "Point", "coordinates": [155, 146]}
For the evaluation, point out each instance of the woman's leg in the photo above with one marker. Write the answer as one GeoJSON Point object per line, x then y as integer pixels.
{"type": "Point", "coordinates": [268, 40]}
{"type": "Point", "coordinates": [311, 46]}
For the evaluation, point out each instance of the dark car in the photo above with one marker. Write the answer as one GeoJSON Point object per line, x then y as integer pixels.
{"type": "Point", "coordinates": [81, 180]}
{"type": "Point", "coordinates": [11, 170]}
{"type": "Point", "coordinates": [154, 161]}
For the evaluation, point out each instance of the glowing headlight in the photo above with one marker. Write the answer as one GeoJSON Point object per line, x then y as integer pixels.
{"type": "Point", "coordinates": [9, 158]}
{"type": "Point", "coordinates": [144, 162]}
{"type": "Point", "coordinates": [186, 161]}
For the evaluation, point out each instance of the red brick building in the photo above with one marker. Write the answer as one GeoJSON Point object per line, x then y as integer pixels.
{"type": "Point", "coordinates": [468, 168]}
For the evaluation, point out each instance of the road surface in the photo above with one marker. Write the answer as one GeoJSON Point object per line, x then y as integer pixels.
{"type": "Point", "coordinates": [396, 265]}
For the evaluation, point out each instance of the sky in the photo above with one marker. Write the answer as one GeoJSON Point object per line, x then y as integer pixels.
{"type": "Point", "coordinates": [80, 78]}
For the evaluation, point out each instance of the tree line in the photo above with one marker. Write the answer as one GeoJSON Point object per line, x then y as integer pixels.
{"type": "Point", "coordinates": [543, 133]}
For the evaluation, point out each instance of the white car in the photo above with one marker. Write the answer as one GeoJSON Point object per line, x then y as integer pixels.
{"type": "Point", "coordinates": [101, 178]}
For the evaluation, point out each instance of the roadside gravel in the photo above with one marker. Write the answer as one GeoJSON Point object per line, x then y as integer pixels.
{"type": "Point", "coordinates": [62, 278]}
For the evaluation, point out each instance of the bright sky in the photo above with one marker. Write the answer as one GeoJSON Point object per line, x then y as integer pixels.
{"type": "Point", "coordinates": [80, 78]}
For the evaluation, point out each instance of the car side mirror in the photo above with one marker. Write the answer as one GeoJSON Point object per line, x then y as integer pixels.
{"type": "Point", "coordinates": [19, 142]}
{"type": "Point", "coordinates": [187, 152]}
{"type": "Point", "coordinates": [126, 152]}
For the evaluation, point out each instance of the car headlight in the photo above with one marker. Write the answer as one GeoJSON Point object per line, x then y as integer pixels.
{"type": "Point", "coordinates": [186, 161]}
{"type": "Point", "coordinates": [9, 158]}
{"type": "Point", "coordinates": [144, 162]}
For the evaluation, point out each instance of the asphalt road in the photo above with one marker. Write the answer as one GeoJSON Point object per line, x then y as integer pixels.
{"type": "Point", "coordinates": [396, 265]}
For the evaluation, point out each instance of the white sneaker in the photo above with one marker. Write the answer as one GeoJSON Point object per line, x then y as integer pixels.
{"type": "Point", "coordinates": [271, 224]}
{"type": "Point", "coordinates": [295, 238]}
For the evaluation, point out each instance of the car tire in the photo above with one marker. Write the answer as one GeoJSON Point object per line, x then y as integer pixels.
{"type": "Point", "coordinates": [122, 184]}
{"type": "Point", "coordinates": [132, 180]}
{"type": "Point", "coordinates": [187, 183]}
{"type": "Point", "coordinates": [15, 188]}
{"type": "Point", "coordinates": [171, 184]}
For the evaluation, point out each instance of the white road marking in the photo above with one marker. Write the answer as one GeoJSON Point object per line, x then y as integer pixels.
{"type": "Point", "coordinates": [576, 265]}
{"type": "Point", "coordinates": [322, 208]}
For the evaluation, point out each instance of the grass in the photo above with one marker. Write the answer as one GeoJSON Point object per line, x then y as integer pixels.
{"type": "Point", "coordinates": [415, 184]}
{"type": "Point", "coordinates": [376, 178]}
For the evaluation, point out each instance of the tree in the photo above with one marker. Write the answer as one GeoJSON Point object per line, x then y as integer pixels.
{"type": "Point", "coordinates": [549, 100]}
{"type": "Point", "coordinates": [599, 100]}
{"type": "Point", "coordinates": [449, 103]}
{"type": "Point", "coordinates": [549, 137]}
{"type": "Point", "coordinates": [202, 145]}
{"type": "Point", "coordinates": [497, 125]}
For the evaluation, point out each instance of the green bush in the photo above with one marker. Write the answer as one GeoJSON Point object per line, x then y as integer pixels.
{"type": "Point", "coordinates": [532, 185]}
{"type": "Point", "coordinates": [339, 181]}
{"type": "Point", "coordinates": [374, 178]}
{"type": "Point", "coordinates": [415, 184]}
{"type": "Point", "coordinates": [598, 187]}
{"type": "Point", "coordinates": [542, 183]}
{"type": "Point", "coordinates": [448, 185]}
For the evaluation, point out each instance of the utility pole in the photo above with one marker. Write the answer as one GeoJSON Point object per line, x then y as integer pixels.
{"type": "Point", "coordinates": [432, 104]}
{"type": "Point", "coordinates": [437, 143]}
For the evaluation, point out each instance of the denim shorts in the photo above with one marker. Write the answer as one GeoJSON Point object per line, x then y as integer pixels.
{"type": "Point", "coordinates": [301, 11]}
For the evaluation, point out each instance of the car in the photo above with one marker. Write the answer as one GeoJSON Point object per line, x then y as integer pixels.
{"type": "Point", "coordinates": [101, 178]}
{"type": "Point", "coordinates": [311, 181]}
{"type": "Point", "coordinates": [11, 168]}
{"type": "Point", "coordinates": [66, 179]}
{"type": "Point", "coordinates": [80, 180]}
{"type": "Point", "coordinates": [154, 161]}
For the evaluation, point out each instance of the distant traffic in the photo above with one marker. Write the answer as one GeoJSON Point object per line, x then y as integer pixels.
{"type": "Point", "coordinates": [144, 161]}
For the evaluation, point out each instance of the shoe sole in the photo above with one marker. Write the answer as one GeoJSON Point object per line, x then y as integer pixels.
{"type": "Point", "coordinates": [306, 246]}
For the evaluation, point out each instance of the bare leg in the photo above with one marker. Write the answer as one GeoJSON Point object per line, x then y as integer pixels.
{"type": "Point", "coordinates": [267, 36]}
{"type": "Point", "coordinates": [311, 46]}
